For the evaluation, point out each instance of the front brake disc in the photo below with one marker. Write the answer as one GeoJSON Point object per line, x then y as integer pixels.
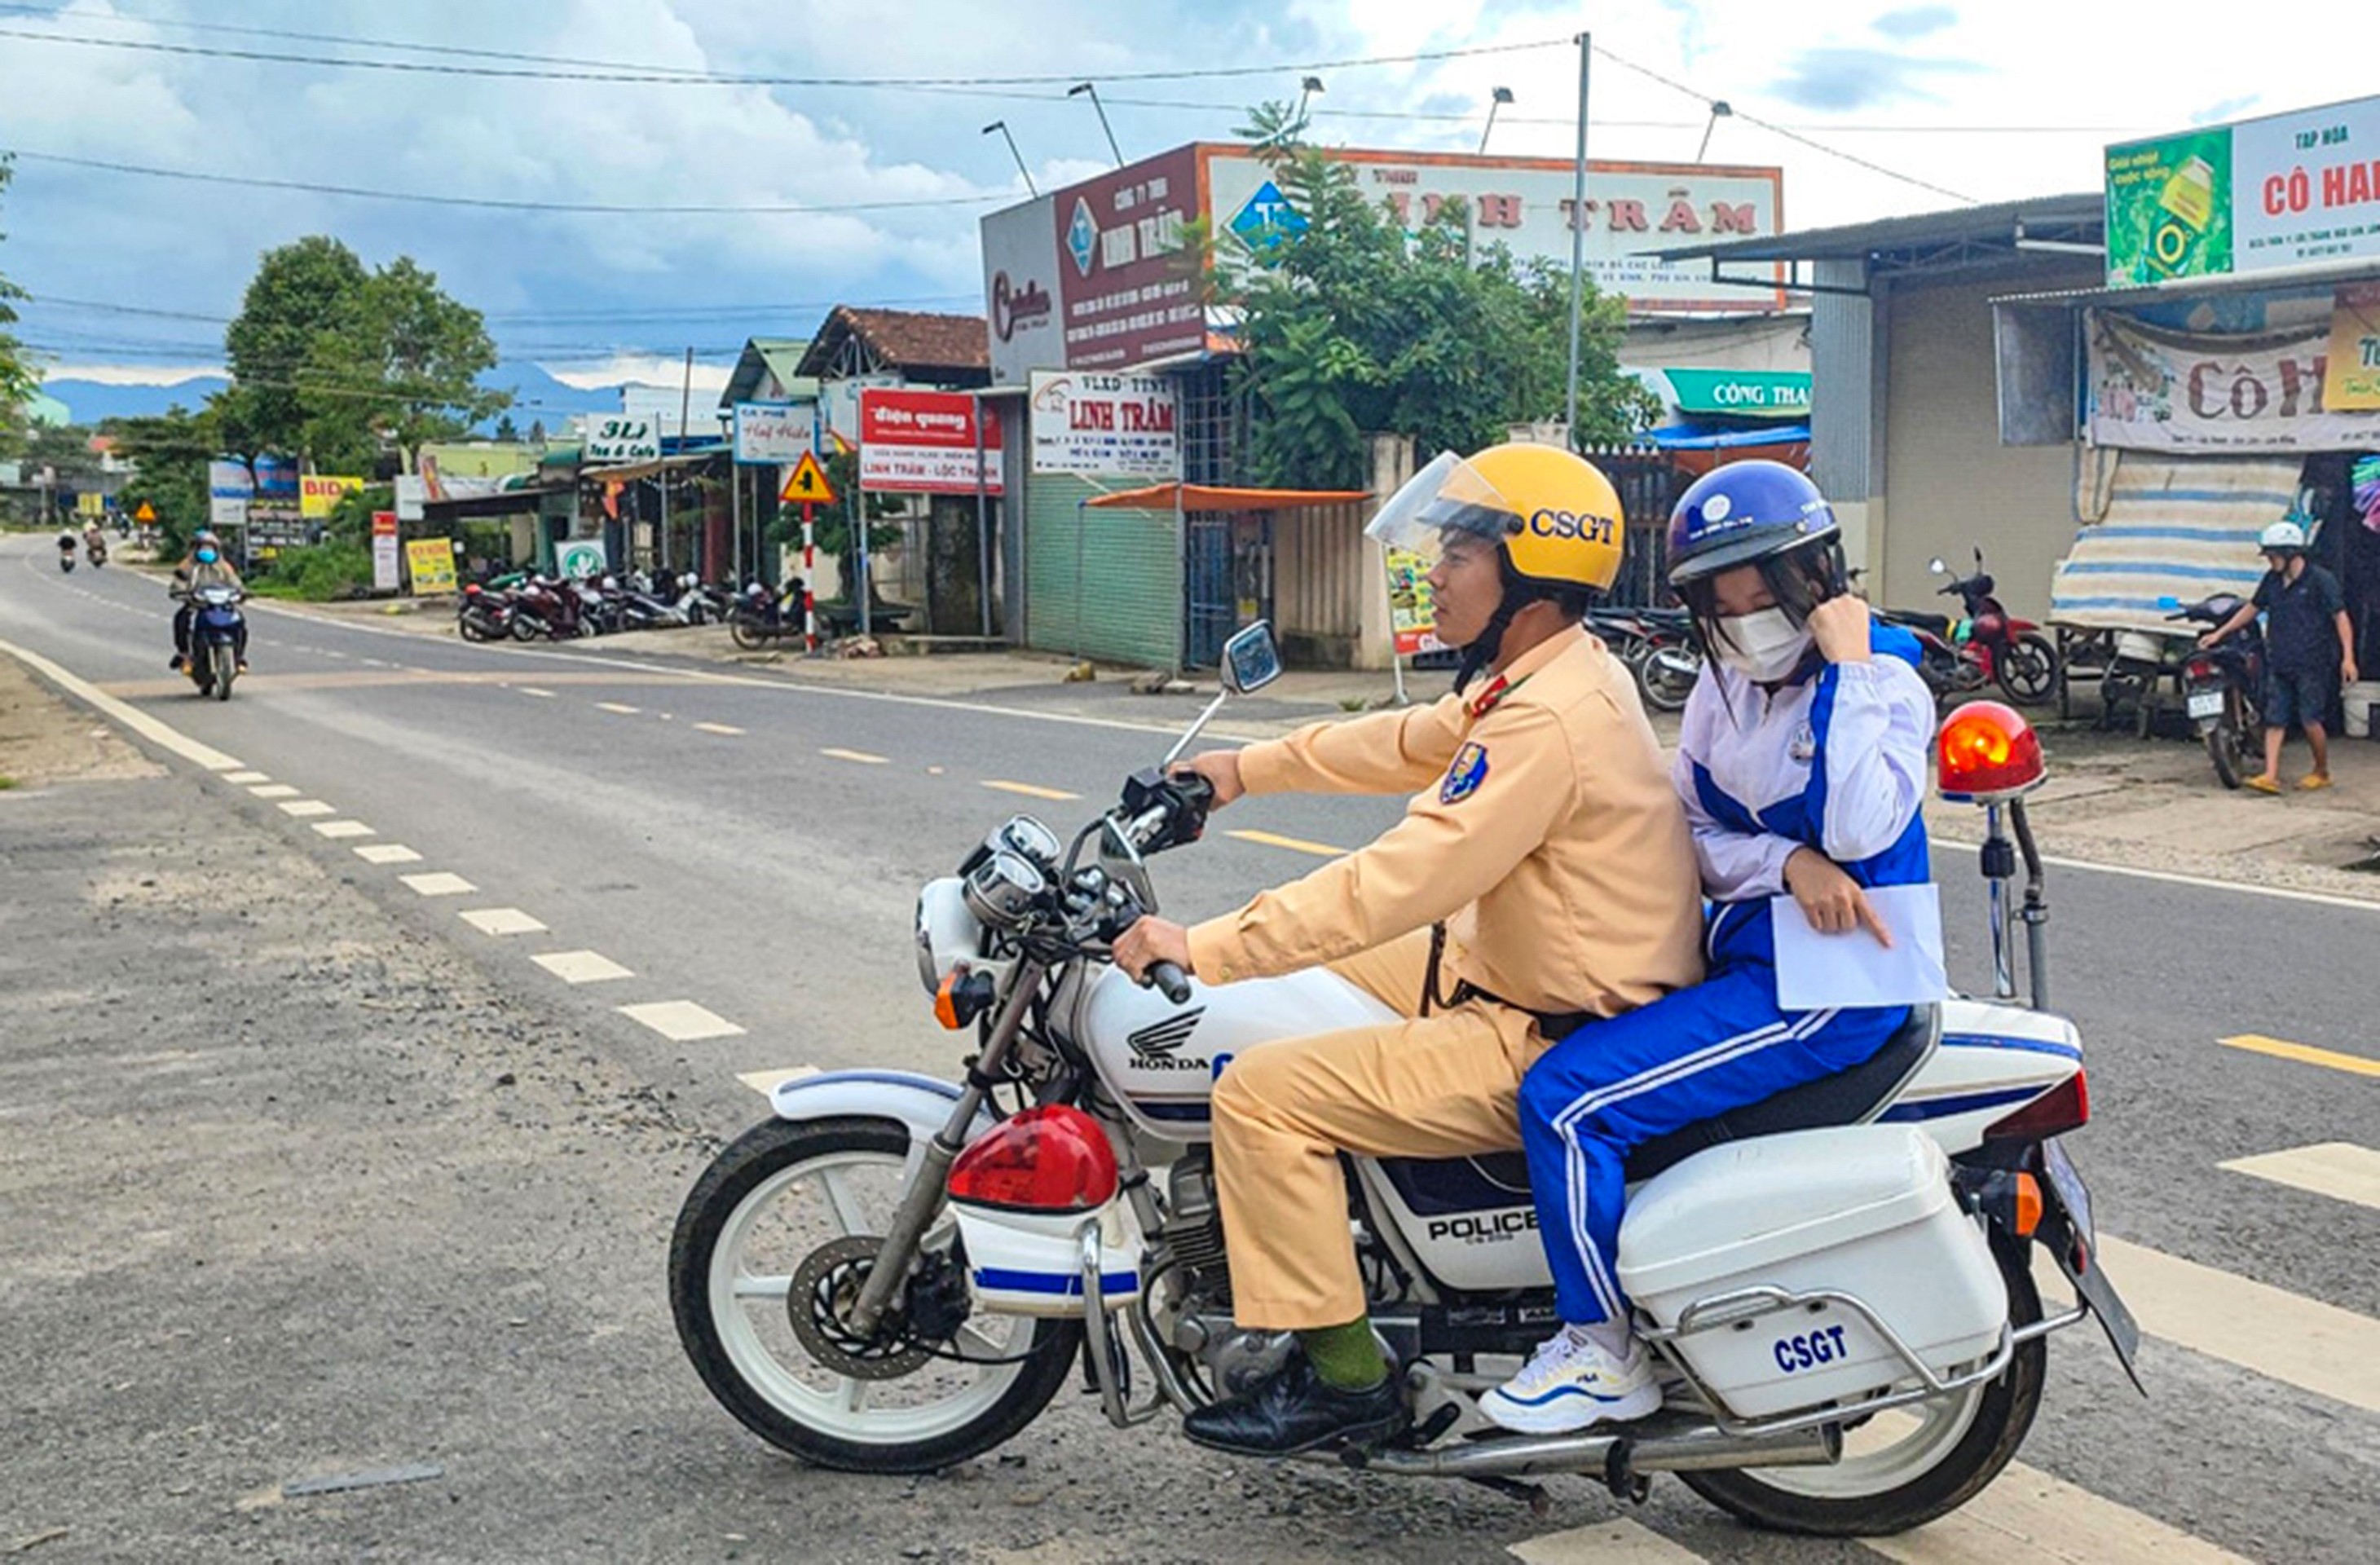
{"type": "Point", "coordinates": [819, 1304]}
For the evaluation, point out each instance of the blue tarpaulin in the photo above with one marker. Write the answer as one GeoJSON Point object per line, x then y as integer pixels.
{"type": "Point", "coordinates": [1703, 437]}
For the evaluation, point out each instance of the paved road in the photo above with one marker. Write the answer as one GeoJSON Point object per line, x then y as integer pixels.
{"type": "Point", "coordinates": [748, 847]}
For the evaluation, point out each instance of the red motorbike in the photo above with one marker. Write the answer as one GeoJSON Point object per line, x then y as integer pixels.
{"type": "Point", "coordinates": [1985, 645]}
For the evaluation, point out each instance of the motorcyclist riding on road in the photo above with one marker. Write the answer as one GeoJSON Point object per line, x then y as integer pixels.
{"type": "Point", "coordinates": [1541, 876]}
{"type": "Point", "coordinates": [205, 567]}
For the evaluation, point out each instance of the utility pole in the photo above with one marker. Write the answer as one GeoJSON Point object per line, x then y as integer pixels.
{"type": "Point", "coordinates": [1577, 235]}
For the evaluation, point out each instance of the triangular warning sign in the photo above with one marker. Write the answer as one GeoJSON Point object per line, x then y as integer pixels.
{"type": "Point", "coordinates": [147, 512]}
{"type": "Point", "coordinates": [808, 484]}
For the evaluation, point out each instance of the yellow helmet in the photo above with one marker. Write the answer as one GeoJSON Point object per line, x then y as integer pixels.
{"type": "Point", "coordinates": [1555, 513]}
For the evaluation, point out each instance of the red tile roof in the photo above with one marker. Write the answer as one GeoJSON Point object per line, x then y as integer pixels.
{"type": "Point", "coordinates": [905, 339]}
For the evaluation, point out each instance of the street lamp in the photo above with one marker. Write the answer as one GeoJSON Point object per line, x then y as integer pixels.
{"type": "Point", "coordinates": [1097, 108]}
{"type": "Point", "coordinates": [1306, 90]}
{"type": "Point", "coordinates": [1502, 96]}
{"type": "Point", "coordinates": [1720, 109]}
{"type": "Point", "coordinates": [1001, 126]}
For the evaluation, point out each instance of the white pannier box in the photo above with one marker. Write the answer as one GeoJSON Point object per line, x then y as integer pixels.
{"type": "Point", "coordinates": [1863, 1210]}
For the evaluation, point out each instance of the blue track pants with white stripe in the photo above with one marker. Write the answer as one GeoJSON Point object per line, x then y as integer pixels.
{"type": "Point", "coordinates": [1614, 1084]}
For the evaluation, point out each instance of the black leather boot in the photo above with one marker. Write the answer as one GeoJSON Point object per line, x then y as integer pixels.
{"type": "Point", "coordinates": [1295, 1410]}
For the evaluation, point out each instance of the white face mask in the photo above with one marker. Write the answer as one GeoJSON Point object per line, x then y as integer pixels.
{"type": "Point", "coordinates": [1765, 647]}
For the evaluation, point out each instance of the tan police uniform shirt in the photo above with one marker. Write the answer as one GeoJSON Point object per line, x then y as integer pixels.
{"type": "Point", "coordinates": [1545, 833]}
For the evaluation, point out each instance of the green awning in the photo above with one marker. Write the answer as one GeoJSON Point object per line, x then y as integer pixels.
{"type": "Point", "coordinates": [1741, 394]}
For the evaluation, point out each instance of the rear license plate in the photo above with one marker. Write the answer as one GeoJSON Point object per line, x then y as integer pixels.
{"type": "Point", "coordinates": [2089, 1278]}
{"type": "Point", "coordinates": [2206, 703]}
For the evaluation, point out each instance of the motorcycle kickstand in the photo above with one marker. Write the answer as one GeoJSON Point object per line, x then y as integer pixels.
{"type": "Point", "coordinates": [1620, 1476]}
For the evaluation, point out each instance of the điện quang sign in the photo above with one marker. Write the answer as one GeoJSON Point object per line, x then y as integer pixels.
{"type": "Point", "coordinates": [2149, 389]}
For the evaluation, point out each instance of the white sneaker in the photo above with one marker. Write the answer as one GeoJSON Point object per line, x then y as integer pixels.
{"type": "Point", "coordinates": [1572, 1383]}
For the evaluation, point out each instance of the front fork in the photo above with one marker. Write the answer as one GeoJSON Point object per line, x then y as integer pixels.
{"type": "Point", "coordinates": [922, 1202]}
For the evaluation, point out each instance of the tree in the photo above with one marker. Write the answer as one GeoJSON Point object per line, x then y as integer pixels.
{"type": "Point", "coordinates": [1352, 325]}
{"type": "Point", "coordinates": [301, 292]}
{"type": "Point", "coordinates": [17, 380]}
{"type": "Point", "coordinates": [169, 455]}
{"type": "Point", "coordinates": [508, 432]}
{"type": "Point", "coordinates": [402, 371]}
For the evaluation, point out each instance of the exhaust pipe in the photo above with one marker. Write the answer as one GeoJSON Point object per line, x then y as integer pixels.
{"type": "Point", "coordinates": [1697, 1448]}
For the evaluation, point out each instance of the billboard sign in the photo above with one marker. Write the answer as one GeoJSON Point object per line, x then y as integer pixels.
{"type": "Point", "coordinates": [927, 442]}
{"type": "Point", "coordinates": [774, 433]}
{"type": "Point", "coordinates": [2283, 191]}
{"type": "Point", "coordinates": [383, 550]}
{"type": "Point", "coordinates": [1020, 284]}
{"type": "Point", "coordinates": [1105, 425]}
{"type": "Point", "coordinates": [1527, 204]}
{"type": "Point", "coordinates": [1127, 294]}
{"type": "Point", "coordinates": [229, 487]}
{"type": "Point", "coordinates": [319, 495]}
{"type": "Point", "coordinates": [432, 562]}
{"type": "Point", "coordinates": [613, 437]}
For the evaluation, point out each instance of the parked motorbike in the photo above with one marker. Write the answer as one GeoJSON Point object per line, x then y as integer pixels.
{"type": "Point", "coordinates": [1657, 645]}
{"type": "Point", "coordinates": [897, 1273]}
{"type": "Point", "coordinates": [483, 615]}
{"type": "Point", "coordinates": [546, 608]}
{"type": "Point", "coordinates": [1986, 645]}
{"type": "Point", "coordinates": [2222, 687]}
{"type": "Point", "coordinates": [760, 617]}
{"type": "Point", "coordinates": [637, 607]}
{"type": "Point", "coordinates": [215, 621]}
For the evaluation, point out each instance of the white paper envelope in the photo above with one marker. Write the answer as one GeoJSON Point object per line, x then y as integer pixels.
{"type": "Point", "coordinates": [1818, 972]}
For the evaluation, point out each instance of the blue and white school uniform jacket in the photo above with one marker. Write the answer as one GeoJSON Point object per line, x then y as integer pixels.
{"type": "Point", "coordinates": [1837, 763]}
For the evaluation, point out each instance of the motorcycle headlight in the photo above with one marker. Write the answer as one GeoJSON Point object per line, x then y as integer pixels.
{"type": "Point", "coordinates": [947, 933]}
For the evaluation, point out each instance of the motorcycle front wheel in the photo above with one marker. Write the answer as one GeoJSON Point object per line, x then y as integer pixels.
{"type": "Point", "coordinates": [772, 1200]}
{"type": "Point", "coordinates": [224, 666]}
{"type": "Point", "coordinates": [746, 634]}
{"type": "Point", "coordinates": [527, 627]}
{"type": "Point", "coordinates": [1909, 1466]}
{"type": "Point", "coordinates": [1665, 675]}
{"type": "Point", "coordinates": [2027, 670]}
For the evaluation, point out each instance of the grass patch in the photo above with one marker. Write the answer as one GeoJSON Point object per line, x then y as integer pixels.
{"type": "Point", "coordinates": [6, 782]}
{"type": "Point", "coordinates": [316, 575]}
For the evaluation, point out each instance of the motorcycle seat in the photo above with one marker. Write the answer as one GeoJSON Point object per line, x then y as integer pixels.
{"type": "Point", "coordinates": [1916, 620]}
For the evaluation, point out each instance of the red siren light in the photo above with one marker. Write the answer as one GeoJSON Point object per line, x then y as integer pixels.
{"type": "Point", "coordinates": [1989, 752]}
{"type": "Point", "coordinates": [1052, 1159]}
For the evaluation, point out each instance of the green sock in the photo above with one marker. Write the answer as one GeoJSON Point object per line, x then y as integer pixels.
{"type": "Point", "coordinates": [1346, 1357]}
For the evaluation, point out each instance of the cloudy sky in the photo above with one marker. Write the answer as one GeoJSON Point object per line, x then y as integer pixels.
{"type": "Point", "coordinates": [1871, 109]}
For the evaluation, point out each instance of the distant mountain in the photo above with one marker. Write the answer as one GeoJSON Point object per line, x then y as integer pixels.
{"type": "Point", "coordinates": [537, 397]}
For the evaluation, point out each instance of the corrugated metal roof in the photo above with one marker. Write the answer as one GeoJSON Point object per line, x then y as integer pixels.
{"type": "Point", "coordinates": [770, 358]}
{"type": "Point", "coordinates": [1995, 220]}
{"type": "Point", "coordinates": [2291, 279]}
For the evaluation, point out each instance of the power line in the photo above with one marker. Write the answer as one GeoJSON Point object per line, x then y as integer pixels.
{"type": "Point", "coordinates": [649, 77]}
{"type": "Point", "coordinates": [692, 314]}
{"type": "Point", "coordinates": [493, 203]}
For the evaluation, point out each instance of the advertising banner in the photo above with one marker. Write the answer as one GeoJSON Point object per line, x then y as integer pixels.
{"type": "Point", "coordinates": [1105, 425]}
{"type": "Point", "coordinates": [1128, 294]}
{"type": "Point", "coordinates": [612, 438]}
{"type": "Point", "coordinates": [1413, 619]}
{"type": "Point", "coordinates": [1527, 204]}
{"type": "Point", "coordinates": [924, 443]}
{"type": "Point", "coordinates": [383, 550]}
{"type": "Point", "coordinates": [2351, 379]}
{"type": "Point", "coordinates": [318, 495]}
{"type": "Point", "coordinates": [275, 525]}
{"type": "Point", "coordinates": [2283, 191]}
{"type": "Point", "coordinates": [412, 490]}
{"type": "Point", "coordinates": [1020, 291]}
{"type": "Point", "coordinates": [431, 561]}
{"type": "Point", "coordinates": [774, 433]}
{"type": "Point", "coordinates": [2153, 390]}
{"type": "Point", "coordinates": [229, 485]}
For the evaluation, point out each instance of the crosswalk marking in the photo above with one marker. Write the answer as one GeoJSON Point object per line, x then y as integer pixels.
{"type": "Point", "coordinates": [2335, 1169]}
{"type": "Point", "coordinates": [2304, 1342]}
{"type": "Point", "coordinates": [2305, 1054]}
{"type": "Point", "coordinates": [1295, 844]}
{"type": "Point", "coordinates": [1605, 1543]}
{"type": "Point", "coordinates": [2027, 1516]}
{"type": "Point", "coordinates": [682, 1021]}
{"type": "Point", "coordinates": [581, 967]}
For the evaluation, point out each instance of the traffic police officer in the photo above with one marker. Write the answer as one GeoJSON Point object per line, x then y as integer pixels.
{"type": "Point", "coordinates": [1542, 876]}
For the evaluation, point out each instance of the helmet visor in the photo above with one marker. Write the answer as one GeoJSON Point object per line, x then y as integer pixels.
{"type": "Point", "coordinates": [1446, 499]}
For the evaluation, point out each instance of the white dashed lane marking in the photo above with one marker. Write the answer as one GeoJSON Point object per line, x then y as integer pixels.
{"type": "Point", "coordinates": [533, 690]}
{"type": "Point", "coordinates": [387, 853]}
{"type": "Point", "coordinates": [337, 830]}
{"type": "Point", "coordinates": [305, 809]}
{"type": "Point", "coordinates": [2335, 1169]}
{"type": "Point", "coordinates": [246, 778]}
{"type": "Point", "coordinates": [681, 1020]}
{"type": "Point", "coordinates": [503, 921]}
{"type": "Point", "coordinates": [273, 791]}
{"type": "Point", "coordinates": [617, 707]}
{"type": "Point", "coordinates": [717, 728]}
{"type": "Point", "coordinates": [439, 883]}
{"type": "Point", "coordinates": [766, 1081]}
{"type": "Point", "coordinates": [581, 967]}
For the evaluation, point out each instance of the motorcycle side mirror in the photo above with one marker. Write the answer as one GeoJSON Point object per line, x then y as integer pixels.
{"type": "Point", "coordinates": [1251, 659]}
{"type": "Point", "coordinates": [1936, 567]}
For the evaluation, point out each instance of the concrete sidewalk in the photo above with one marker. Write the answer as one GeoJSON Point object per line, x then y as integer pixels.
{"type": "Point", "coordinates": [2152, 805]}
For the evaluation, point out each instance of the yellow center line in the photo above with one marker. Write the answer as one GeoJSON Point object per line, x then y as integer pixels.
{"type": "Point", "coordinates": [1030, 791]}
{"type": "Point", "coordinates": [1295, 844]}
{"type": "Point", "coordinates": [2256, 1043]}
{"type": "Point", "coordinates": [862, 756]}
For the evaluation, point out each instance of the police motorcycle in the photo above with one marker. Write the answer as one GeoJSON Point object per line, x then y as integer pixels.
{"type": "Point", "coordinates": [896, 1273]}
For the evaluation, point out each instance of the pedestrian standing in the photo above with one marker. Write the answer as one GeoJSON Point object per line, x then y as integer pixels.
{"type": "Point", "coordinates": [2309, 648]}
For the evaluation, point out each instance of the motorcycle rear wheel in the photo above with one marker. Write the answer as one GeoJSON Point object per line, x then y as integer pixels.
{"type": "Point", "coordinates": [733, 1320]}
{"type": "Point", "coordinates": [1666, 687]}
{"type": "Point", "coordinates": [2027, 670]}
{"type": "Point", "coordinates": [747, 634]}
{"type": "Point", "coordinates": [526, 627]}
{"type": "Point", "coordinates": [1954, 1451]}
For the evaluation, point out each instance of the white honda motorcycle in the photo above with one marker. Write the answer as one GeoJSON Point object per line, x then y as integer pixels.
{"type": "Point", "coordinates": [897, 1273]}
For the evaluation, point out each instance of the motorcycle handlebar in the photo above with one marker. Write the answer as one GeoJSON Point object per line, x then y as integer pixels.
{"type": "Point", "coordinates": [1169, 980]}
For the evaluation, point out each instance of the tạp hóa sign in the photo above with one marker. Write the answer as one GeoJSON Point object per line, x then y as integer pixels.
{"type": "Point", "coordinates": [2284, 191]}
